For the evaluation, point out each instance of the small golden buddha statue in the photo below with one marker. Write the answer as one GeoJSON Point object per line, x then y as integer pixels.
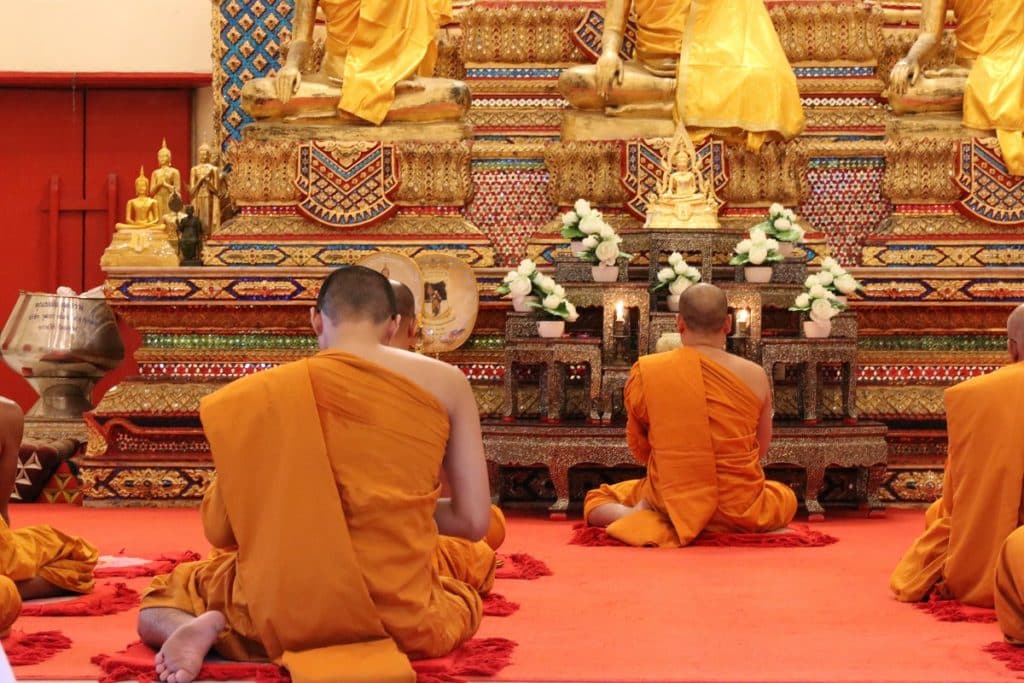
{"type": "Point", "coordinates": [141, 240]}
{"type": "Point", "coordinates": [685, 199]}
{"type": "Point", "coordinates": [692, 76]}
{"type": "Point", "coordinates": [372, 71]}
{"type": "Point", "coordinates": [165, 181]}
{"type": "Point", "coordinates": [204, 191]}
{"type": "Point", "coordinates": [985, 81]}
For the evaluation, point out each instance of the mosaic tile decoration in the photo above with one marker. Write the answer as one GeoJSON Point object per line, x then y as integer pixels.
{"type": "Point", "coordinates": [845, 203]}
{"type": "Point", "coordinates": [993, 194]}
{"type": "Point", "coordinates": [510, 206]}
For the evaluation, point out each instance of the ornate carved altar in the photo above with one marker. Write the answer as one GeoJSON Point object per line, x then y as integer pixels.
{"type": "Point", "coordinates": [926, 213]}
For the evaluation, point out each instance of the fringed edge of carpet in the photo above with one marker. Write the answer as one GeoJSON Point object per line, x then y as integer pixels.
{"type": "Point", "coordinates": [105, 599]}
{"type": "Point", "coordinates": [520, 566]}
{"type": "Point", "coordinates": [954, 610]}
{"type": "Point", "coordinates": [1011, 655]}
{"type": "Point", "coordinates": [497, 605]}
{"type": "Point", "coordinates": [477, 657]}
{"type": "Point", "coordinates": [799, 536]}
{"type": "Point", "coordinates": [26, 649]}
{"type": "Point", "coordinates": [161, 565]}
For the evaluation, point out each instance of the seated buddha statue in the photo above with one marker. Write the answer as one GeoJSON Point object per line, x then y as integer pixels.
{"type": "Point", "coordinates": [987, 81]}
{"type": "Point", "coordinates": [731, 76]}
{"type": "Point", "coordinates": [681, 203]}
{"type": "Point", "coordinates": [141, 240]}
{"type": "Point", "coordinates": [378, 58]}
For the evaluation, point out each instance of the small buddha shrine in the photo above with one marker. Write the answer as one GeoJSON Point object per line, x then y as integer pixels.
{"type": "Point", "coordinates": [547, 180]}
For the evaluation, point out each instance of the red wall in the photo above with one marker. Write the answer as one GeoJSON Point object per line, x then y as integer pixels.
{"type": "Point", "coordinates": [76, 139]}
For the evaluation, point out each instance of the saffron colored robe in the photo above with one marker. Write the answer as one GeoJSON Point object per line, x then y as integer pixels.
{"type": "Point", "coordinates": [694, 424]}
{"type": "Point", "coordinates": [981, 493]}
{"type": "Point", "coordinates": [327, 481]}
{"type": "Point", "coordinates": [65, 561]}
{"type": "Point", "coordinates": [1009, 586]}
{"type": "Point", "coordinates": [373, 44]}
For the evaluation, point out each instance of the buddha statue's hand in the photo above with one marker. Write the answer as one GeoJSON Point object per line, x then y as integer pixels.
{"type": "Point", "coordinates": [288, 79]}
{"type": "Point", "coordinates": [904, 75]}
{"type": "Point", "coordinates": [608, 73]}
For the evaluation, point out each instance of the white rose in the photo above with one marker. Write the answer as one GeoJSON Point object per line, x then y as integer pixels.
{"type": "Point", "coordinates": [776, 209]}
{"type": "Point", "coordinates": [666, 275]}
{"type": "Point", "coordinates": [675, 258]}
{"type": "Point", "coordinates": [829, 263]}
{"type": "Point", "coordinates": [773, 245]}
{"type": "Point", "coordinates": [520, 287]}
{"type": "Point", "coordinates": [803, 301]}
{"type": "Point", "coordinates": [782, 224]}
{"type": "Point", "coordinates": [811, 281]}
{"type": "Point", "coordinates": [838, 272]}
{"type": "Point", "coordinates": [607, 251]}
{"type": "Point", "coordinates": [692, 274]}
{"type": "Point", "coordinates": [825, 277]}
{"type": "Point", "coordinates": [590, 242]}
{"type": "Point", "coordinates": [744, 246]}
{"type": "Point", "coordinates": [511, 275]}
{"type": "Point", "coordinates": [758, 254]}
{"type": "Point", "coordinates": [582, 207]}
{"type": "Point", "coordinates": [846, 284]}
{"type": "Point", "coordinates": [570, 218]}
{"type": "Point", "coordinates": [822, 310]}
{"type": "Point", "coordinates": [573, 315]}
{"type": "Point", "coordinates": [558, 290]}
{"type": "Point", "coordinates": [757, 235]}
{"type": "Point", "coordinates": [606, 231]}
{"type": "Point", "coordinates": [818, 292]}
{"type": "Point", "coordinates": [591, 224]}
{"type": "Point", "coordinates": [680, 268]}
{"type": "Point", "coordinates": [546, 283]}
{"type": "Point", "coordinates": [788, 213]}
{"type": "Point", "coordinates": [679, 286]}
{"type": "Point", "coordinates": [552, 301]}
{"type": "Point", "coordinates": [527, 267]}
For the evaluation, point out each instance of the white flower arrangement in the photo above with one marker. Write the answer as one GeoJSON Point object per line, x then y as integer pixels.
{"type": "Point", "coordinates": [782, 225]}
{"type": "Point", "coordinates": [581, 220]}
{"type": "Point", "coordinates": [836, 279]}
{"type": "Point", "coordinates": [757, 250]}
{"type": "Point", "coordinates": [678, 276]}
{"type": "Point", "coordinates": [818, 302]}
{"type": "Point", "coordinates": [554, 304]}
{"type": "Point", "coordinates": [523, 281]}
{"type": "Point", "coordinates": [601, 245]}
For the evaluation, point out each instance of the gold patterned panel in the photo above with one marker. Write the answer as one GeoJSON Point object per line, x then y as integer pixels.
{"type": "Point", "coordinates": [775, 174]}
{"type": "Point", "coordinates": [585, 169]}
{"type": "Point", "coordinates": [519, 117]}
{"type": "Point", "coordinates": [920, 170]}
{"type": "Point", "coordinates": [154, 398]}
{"type": "Point", "coordinates": [433, 174]}
{"type": "Point", "coordinates": [825, 32]}
{"type": "Point", "coordinates": [521, 34]}
{"type": "Point", "coordinates": [263, 171]}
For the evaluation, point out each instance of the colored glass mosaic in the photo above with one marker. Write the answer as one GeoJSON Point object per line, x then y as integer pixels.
{"type": "Point", "coordinates": [957, 342]}
{"type": "Point", "coordinates": [229, 341]}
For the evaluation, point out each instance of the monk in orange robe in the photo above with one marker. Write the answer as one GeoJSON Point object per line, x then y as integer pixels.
{"type": "Point", "coordinates": [1009, 587]}
{"type": "Point", "coordinates": [408, 323]}
{"type": "Point", "coordinates": [701, 420]}
{"type": "Point", "coordinates": [981, 499]}
{"type": "Point", "coordinates": [38, 561]}
{"type": "Point", "coordinates": [326, 511]}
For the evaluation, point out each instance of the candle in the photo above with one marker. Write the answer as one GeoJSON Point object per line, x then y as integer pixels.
{"type": "Point", "coordinates": [620, 312]}
{"type": "Point", "coordinates": [742, 321]}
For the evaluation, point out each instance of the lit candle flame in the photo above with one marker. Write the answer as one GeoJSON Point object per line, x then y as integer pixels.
{"type": "Point", "coordinates": [620, 312]}
{"type": "Point", "coordinates": [742, 316]}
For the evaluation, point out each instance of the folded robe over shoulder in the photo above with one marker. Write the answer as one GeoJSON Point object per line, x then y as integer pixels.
{"type": "Point", "coordinates": [694, 424]}
{"type": "Point", "coordinates": [41, 551]}
{"type": "Point", "coordinates": [327, 481]}
{"type": "Point", "coordinates": [981, 493]}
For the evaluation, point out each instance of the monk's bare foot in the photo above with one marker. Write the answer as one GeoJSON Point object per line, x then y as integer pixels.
{"type": "Point", "coordinates": [1013, 641]}
{"type": "Point", "coordinates": [182, 655]}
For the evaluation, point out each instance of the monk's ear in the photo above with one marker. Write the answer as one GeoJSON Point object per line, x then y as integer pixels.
{"type": "Point", "coordinates": [316, 320]}
{"type": "Point", "coordinates": [727, 327]}
{"type": "Point", "coordinates": [680, 323]}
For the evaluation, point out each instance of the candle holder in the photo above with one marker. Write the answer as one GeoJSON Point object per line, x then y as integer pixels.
{"type": "Point", "coordinates": [620, 341]}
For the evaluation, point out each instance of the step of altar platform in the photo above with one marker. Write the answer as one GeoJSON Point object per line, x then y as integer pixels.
{"type": "Point", "coordinates": [559, 447]}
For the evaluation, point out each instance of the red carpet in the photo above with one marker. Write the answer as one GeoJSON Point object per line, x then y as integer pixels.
{"type": "Point", "coordinates": [798, 536]}
{"type": "Point", "coordinates": [105, 599]}
{"type": "Point", "coordinates": [634, 614]}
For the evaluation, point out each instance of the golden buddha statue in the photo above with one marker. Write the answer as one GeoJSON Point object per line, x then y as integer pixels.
{"type": "Point", "coordinates": [204, 191]}
{"type": "Point", "coordinates": [686, 200]}
{"type": "Point", "coordinates": [729, 76]}
{"type": "Point", "coordinates": [987, 80]}
{"type": "Point", "coordinates": [372, 70]}
{"type": "Point", "coordinates": [165, 180]}
{"type": "Point", "coordinates": [141, 240]}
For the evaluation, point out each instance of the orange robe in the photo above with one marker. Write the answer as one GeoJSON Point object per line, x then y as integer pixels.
{"type": "Point", "coordinates": [41, 551]}
{"type": "Point", "coordinates": [981, 493]}
{"type": "Point", "coordinates": [1009, 586]}
{"type": "Point", "coordinates": [339, 569]}
{"type": "Point", "coordinates": [694, 424]}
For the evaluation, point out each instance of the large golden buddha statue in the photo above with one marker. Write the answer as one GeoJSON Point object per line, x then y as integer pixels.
{"type": "Point", "coordinates": [987, 80]}
{"type": "Point", "coordinates": [378, 58]}
{"type": "Point", "coordinates": [714, 65]}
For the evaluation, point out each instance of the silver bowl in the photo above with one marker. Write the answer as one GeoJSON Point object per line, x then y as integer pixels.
{"type": "Point", "coordinates": [61, 345]}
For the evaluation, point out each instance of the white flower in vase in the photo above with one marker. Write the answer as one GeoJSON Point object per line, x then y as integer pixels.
{"type": "Point", "coordinates": [546, 283]}
{"type": "Point", "coordinates": [825, 278]}
{"type": "Point", "coordinates": [607, 251]}
{"type": "Point", "coordinates": [572, 316]}
{"type": "Point", "coordinates": [552, 301]}
{"type": "Point", "coordinates": [675, 258]}
{"type": "Point", "coordinates": [666, 275]}
{"type": "Point", "coordinates": [679, 285]}
{"type": "Point", "coordinates": [520, 287]}
{"type": "Point", "coordinates": [846, 284]}
{"type": "Point", "coordinates": [570, 218]}
{"type": "Point", "coordinates": [582, 208]}
{"type": "Point", "coordinates": [590, 242]}
{"type": "Point", "coordinates": [822, 310]}
{"type": "Point", "coordinates": [527, 267]}
{"type": "Point", "coordinates": [803, 300]}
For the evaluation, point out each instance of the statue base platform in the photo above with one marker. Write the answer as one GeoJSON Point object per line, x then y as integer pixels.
{"type": "Point", "coordinates": [140, 247]}
{"type": "Point", "coordinates": [586, 125]}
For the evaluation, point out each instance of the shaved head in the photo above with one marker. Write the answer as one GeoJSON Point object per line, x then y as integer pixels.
{"type": "Point", "coordinates": [405, 302]}
{"type": "Point", "coordinates": [1015, 333]}
{"type": "Point", "coordinates": [704, 309]}
{"type": "Point", "coordinates": [355, 293]}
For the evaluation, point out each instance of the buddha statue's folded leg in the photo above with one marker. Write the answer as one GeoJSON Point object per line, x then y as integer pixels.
{"type": "Point", "coordinates": [935, 91]}
{"type": "Point", "coordinates": [315, 96]}
{"type": "Point", "coordinates": [640, 93]}
{"type": "Point", "coordinates": [424, 99]}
